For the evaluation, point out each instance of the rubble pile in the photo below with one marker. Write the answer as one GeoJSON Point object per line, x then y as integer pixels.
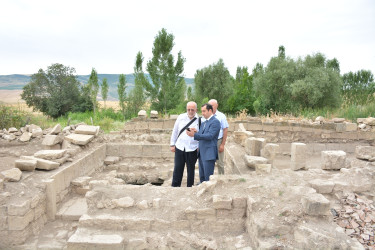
{"type": "Point", "coordinates": [357, 218]}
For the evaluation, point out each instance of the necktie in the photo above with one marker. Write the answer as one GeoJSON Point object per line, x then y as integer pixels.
{"type": "Point", "coordinates": [204, 125]}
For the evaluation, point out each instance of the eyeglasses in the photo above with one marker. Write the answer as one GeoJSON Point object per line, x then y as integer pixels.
{"type": "Point", "coordinates": [190, 110]}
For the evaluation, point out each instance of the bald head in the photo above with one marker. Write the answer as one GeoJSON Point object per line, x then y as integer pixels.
{"type": "Point", "coordinates": [191, 108]}
{"type": "Point", "coordinates": [214, 104]}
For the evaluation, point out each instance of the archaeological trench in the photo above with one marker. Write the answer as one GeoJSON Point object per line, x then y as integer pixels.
{"type": "Point", "coordinates": [292, 184]}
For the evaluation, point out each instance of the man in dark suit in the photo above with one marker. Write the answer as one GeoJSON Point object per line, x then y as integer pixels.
{"type": "Point", "coordinates": [207, 137]}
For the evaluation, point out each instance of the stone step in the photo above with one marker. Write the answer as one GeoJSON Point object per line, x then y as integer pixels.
{"type": "Point", "coordinates": [86, 238]}
{"type": "Point", "coordinates": [73, 209]}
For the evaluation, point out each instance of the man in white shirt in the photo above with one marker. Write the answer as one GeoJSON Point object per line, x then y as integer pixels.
{"type": "Point", "coordinates": [184, 146]}
{"type": "Point", "coordinates": [222, 135]}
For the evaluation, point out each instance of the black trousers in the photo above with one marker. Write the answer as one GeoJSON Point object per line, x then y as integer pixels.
{"type": "Point", "coordinates": [180, 158]}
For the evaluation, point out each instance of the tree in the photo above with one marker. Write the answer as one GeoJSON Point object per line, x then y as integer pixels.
{"type": "Point", "coordinates": [213, 82]}
{"type": "Point", "coordinates": [168, 85]}
{"type": "Point", "coordinates": [358, 87]}
{"type": "Point", "coordinates": [55, 91]}
{"type": "Point", "coordinates": [287, 86]}
{"type": "Point", "coordinates": [104, 91]}
{"type": "Point", "coordinates": [243, 96]}
{"type": "Point", "coordinates": [93, 86]}
{"type": "Point", "coordinates": [121, 90]}
{"type": "Point", "coordinates": [136, 98]}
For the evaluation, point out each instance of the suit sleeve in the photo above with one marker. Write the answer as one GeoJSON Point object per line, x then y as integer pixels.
{"type": "Point", "coordinates": [213, 132]}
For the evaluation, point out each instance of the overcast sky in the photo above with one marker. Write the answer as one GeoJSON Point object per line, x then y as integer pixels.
{"type": "Point", "coordinates": [108, 34]}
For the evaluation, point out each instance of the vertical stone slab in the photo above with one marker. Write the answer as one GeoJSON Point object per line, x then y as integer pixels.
{"type": "Point", "coordinates": [269, 151]}
{"type": "Point", "coordinates": [51, 198]}
{"type": "Point", "coordinates": [298, 156]}
{"type": "Point", "coordinates": [253, 146]}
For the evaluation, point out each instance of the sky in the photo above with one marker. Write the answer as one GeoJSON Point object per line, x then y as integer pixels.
{"type": "Point", "coordinates": [107, 35]}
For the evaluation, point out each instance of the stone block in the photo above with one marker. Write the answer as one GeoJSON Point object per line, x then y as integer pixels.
{"type": "Point", "coordinates": [20, 222]}
{"type": "Point", "coordinates": [52, 147]}
{"type": "Point", "coordinates": [86, 130]}
{"type": "Point", "coordinates": [253, 145]}
{"type": "Point", "coordinates": [12, 130]}
{"type": "Point", "coordinates": [333, 160]}
{"type": "Point", "coordinates": [13, 174]}
{"type": "Point", "coordinates": [268, 127]}
{"type": "Point", "coordinates": [50, 140]}
{"type": "Point", "coordinates": [221, 202]}
{"type": "Point", "coordinates": [25, 137]}
{"type": "Point", "coordinates": [206, 213]}
{"type": "Point", "coordinates": [37, 132]}
{"type": "Point", "coordinates": [239, 202]}
{"type": "Point", "coordinates": [269, 151]}
{"type": "Point", "coordinates": [340, 127]}
{"type": "Point", "coordinates": [42, 163]}
{"type": "Point", "coordinates": [369, 121]}
{"type": "Point", "coordinates": [315, 204]}
{"type": "Point", "coordinates": [95, 241]}
{"type": "Point", "coordinates": [153, 151]}
{"type": "Point", "coordinates": [79, 139]}
{"type": "Point", "coordinates": [241, 127]}
{"type": "Point", "coordinates": [10, 137]}
{"type": "Point", "coordinates": [19, 209]}
{"type": "Point", "coordinates": [190, 213]}
{"type": "Point", "coordinates": [56, 129]}
{"type": "Point", "coordinates": [263, 168]}
{"type": "Point", "coordinates": [298, 155]}
{"type": "Point", "coordinates": [25, 165]}
{"type": "Point", "coordinates": [322, 186]}
{"type": "Point", "coordinates": [50, 154]}
{"type": "Point", "coordinates": [365, 152]}
{"type": "Point", "coordinates": [123, 202]}
{"type": "Point", "coordinates": [254, 126]}
{"type": "Point", "coordinates": [251, 161]}
{"type": "Point", "coordinates": [142, 113]}
{"type": "Point", "coordinates": [154, 114]}
{"type": "Point", "coordinates": [109, 160]}
{"type": "Point", "coordinates": [350, 127]}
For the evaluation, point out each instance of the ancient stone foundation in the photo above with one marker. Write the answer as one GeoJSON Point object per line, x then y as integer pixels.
{"type": "Point", "coordinates": [287, 185]}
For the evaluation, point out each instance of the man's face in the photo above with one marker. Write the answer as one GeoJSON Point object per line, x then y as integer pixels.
{"type": "Point", "coordinates": [191, 110]}
{"type": "Point", "coordinates": [206, 113]}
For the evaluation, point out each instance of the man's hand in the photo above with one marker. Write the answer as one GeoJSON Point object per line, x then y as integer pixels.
{"type": "Point", "coordinates": [173, 148]}
{"type": "Point", "coordinates": [221, 148]}
{"type": "Point", "coordinates": [191, 132]}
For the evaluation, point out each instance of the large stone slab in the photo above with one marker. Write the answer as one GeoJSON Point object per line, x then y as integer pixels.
{"type": "Point", "coordinates": [253, 145]}
{"type": "Point", "coordinates": [50, 140]}
{"type": "Point", "coordinates": [42, 163]}
{"type": "Point", "coordinates": [298, 156]}
{"type": "Point", "coordinates": [79, 139]}
{"type": "Point", "coordinates": [252, 161]}
{"type": "Point", "coordinates": [56, 129]}
{"type": "Point", "coordinates": [13, 174]}
{"type": "Point", "coordinates": [221, 202]}
{"type": "Point", "coordinates": [333, 160]}
{"type": "Point", "coordinates": [365, 152]}
{"type": "Point", "coordinates": [50, 154]}
{"type": "Point", "coordinates": [25, 164]}
{"type": "Point", "coordinates": [26, 136]}
{"type": "Point", "coordinates": [315, 204]}
{"type": "Point", "coordinates": [83, 240]}
{"type": "Point", "coordinates": [86, 130]}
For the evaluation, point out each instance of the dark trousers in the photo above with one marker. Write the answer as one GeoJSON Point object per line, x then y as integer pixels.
{"type": "Point", "coordinates": [206, 169]}
{"type": "Point", "coordinates": [180, 158]}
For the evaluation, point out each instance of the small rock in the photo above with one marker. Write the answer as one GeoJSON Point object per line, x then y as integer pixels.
{"type": "Point", "coordinates": [25, 137]}
{"type": "Point", "coordinates": [13, 174]}
{"type": "Point", "coordinates": [12, 130]}
{"type": "Point", "coordinates": [56, 129]}
{"type": "Point", "coordinates": [142, 113]}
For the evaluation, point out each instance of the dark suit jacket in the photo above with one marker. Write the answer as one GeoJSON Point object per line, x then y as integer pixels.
{"type": "Point", "coordinates": [207, 137]}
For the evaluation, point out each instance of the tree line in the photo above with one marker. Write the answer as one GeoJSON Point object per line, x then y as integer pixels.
{"type": "Point", "coordinates": [284, 85]}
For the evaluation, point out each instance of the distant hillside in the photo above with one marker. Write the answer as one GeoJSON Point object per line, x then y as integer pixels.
{"type": "Point", "coordinates": [16, 82]}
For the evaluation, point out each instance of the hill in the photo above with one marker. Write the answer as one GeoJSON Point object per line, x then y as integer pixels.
{"type": "Point", "coordinates": [17, 81]}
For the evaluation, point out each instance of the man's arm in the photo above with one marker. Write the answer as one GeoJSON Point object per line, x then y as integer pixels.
{"type": "Point", "coordinates": [225, 133]}
{"type": "Point", "coordinates": [213, 132]}
{"type": "Point", "coordinates": [174, 136]}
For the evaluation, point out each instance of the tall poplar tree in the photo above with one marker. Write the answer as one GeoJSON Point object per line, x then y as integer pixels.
{"type": "Point", "coordinates": [93, 88]}
{"type": "Point", "coordinates": [121, 88]}
{"type": "Point", "coordinates": [168, 86]}
{"type": "Point", "coordinates": [104, 91]}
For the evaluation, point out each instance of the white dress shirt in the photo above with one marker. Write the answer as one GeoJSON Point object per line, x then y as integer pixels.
{"type": "Point", "coordinates": [184, 142]}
